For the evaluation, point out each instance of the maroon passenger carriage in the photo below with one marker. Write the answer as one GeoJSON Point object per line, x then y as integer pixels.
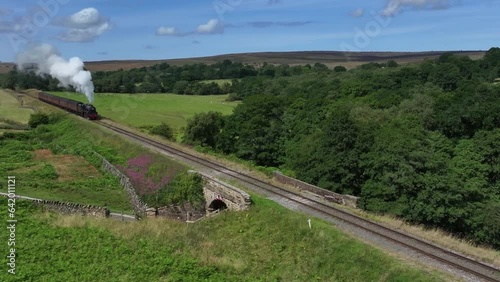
{"type": "Point", "coordinates": [85, 110]}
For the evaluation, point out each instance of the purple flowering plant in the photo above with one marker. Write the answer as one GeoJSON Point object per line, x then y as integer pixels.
{"type": "Point", "coordinates": [138, 171]}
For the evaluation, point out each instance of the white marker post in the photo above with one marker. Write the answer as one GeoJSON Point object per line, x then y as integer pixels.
{"type": "Point", "coordinates": [309, 221]}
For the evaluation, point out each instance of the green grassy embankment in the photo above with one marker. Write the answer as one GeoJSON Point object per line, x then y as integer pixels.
{"type": "Point", "coordinates": [266, 243]}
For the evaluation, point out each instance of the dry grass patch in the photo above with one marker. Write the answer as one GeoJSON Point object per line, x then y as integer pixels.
{"type": "Point", "coordinates": [68, 167]}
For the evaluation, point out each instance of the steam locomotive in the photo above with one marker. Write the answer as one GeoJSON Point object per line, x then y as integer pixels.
{"type": "Point", "coordinates": [85, 110]}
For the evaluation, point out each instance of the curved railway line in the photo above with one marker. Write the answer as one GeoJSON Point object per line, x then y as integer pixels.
{"type": "Point", "coordinates": [471, 267]}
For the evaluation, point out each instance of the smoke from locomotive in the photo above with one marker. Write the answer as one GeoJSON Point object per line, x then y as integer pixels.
{"type": "Point", "coordinates": [47, 61]}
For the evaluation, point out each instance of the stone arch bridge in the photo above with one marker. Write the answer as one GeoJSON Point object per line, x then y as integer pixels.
{"type": "Point", "coordinates": [220, 195]}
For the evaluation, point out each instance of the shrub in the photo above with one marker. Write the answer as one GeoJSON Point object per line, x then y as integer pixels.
{"type": "Point", "coordinates": [163, 130]}
{"type": "Point", "coordinates": [185, 187]}
{"type": "Point", "coordinates": [38, 119]}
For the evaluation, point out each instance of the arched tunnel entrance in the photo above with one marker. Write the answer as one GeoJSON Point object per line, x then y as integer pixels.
{"type": "Point", "coordinates": [217, 205]}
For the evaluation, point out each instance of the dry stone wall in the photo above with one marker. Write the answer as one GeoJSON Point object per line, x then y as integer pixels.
{"type": "Point", "coordinates": [68, 208]}
{"type": "Point", "coordinates": [328, 195]}
{"type": "Point", "coordinates": [184, 212]}
{"type": "Point", "coordinates": [138, 205]}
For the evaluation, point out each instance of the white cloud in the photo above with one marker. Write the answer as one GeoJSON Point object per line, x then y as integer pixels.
{"type": "Point", "coordinates": [163, 30]}
{"type": "Point", "coordinates": [394, 7]}
{"type": "Point", "coordinates": [83, 26]}
{"type": "Point", "coordinates": [84, 34]}
{"type": "Point", "coordinates": [213, 26]}
{"type": "Point", "coordinates": [358, 13]}
{"type": "Point", "coordinates": [7, 26]}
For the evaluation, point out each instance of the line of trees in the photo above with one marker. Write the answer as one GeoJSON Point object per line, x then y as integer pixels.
{"type": "Point", "coordinates": [421, 142]}
{"type": "Point", "coordinates": [165, 78]}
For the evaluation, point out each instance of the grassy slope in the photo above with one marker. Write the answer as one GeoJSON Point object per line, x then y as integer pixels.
{"type": "Point", "coordinates": [10, 109]}
{"type": "Point", "coordinates": [149, 109]}
{"type": "Point", "coordinates": [267, 243]}
{"type": "Point", "coordinates": [37, 178]}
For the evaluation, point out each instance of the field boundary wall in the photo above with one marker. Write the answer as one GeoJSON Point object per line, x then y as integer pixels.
{"type": "Point", "coordinates": [67, 208]}
{"type": "Point", "coordinates": [138, 205]}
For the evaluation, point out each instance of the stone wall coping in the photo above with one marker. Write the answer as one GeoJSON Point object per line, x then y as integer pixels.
{"type": "Point", "coordinates": [329, 195]}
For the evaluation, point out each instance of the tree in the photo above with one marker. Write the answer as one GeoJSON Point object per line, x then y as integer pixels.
{"type": "Point", "coordinates": [329, 156]}
{"type": "Point", "coordinates": [339, 69]}
{"type": "Point", "coordinates": [492, 57]}
{"type": "Point", "coordinates": [129, 87]}
{"type": "Point", "coordinates": [11, 80]}
{"type": "Point", "coordinates": [446, 76]}
{"type": "Point", "coordinates": [204, 129]}
{"type": "Point", "coordinates": [403, 154]}
{"type": "Point", "coordinates": [321, 68]}
{"type": "Point", "coordinates": [254, 131]}
{"type": "Point", "coordinates": [392, 64]}
{"type": "Point", "coordinates": [180, 87]}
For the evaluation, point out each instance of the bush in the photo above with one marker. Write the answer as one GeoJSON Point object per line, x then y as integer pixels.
{"type": "Point", "coordinates": [163, 130]}
{"type": "Point", "coordinates": [392, 64]}
{"type": "Point", "coordinates": [186, 187]}
{"type": "Point", "coordinates": [339, 69]}
{"type": "Point", "coordinates": [38, 119]}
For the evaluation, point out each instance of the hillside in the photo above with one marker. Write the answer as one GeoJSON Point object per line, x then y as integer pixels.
{"type": "Point", "coordinates": [329, 58]}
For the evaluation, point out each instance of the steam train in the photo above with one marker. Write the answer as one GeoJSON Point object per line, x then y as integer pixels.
{"type": "Point", "coordinates": [85, 110]}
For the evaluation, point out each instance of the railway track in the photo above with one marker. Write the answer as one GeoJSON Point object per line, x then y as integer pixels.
{"type": "Point", "coordinates": [470, 267]}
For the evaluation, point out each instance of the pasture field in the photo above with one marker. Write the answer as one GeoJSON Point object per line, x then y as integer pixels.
{"type": "Point", "coordinates": [220, 82]}
{"type": "Point", "coordinates": [10, 109]}
{"type": "Point", "coordinates": [266, 243]}
{"type": "Point", "coordinates": [151, 109]}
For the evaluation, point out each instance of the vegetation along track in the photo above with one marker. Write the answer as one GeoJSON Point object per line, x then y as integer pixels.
{"type": "Point", "coordinates": [448, 258]}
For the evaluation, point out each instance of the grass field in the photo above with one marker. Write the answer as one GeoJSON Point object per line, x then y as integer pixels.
{"type": "Point", "coordinates": [266, 243]}
{"type": "Point", "coordinates": [10, 109]}
{"type": "Point", "coordinates": [220, 82]}
{"type": "Point", "coordinates": [151, 109]}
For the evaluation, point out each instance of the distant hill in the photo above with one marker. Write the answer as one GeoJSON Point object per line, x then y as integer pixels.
{"type": "Point", "coordinates": [329, 58]}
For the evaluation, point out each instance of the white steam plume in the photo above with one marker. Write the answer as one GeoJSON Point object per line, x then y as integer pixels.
{"type": "Point", "coordinates": [68, 72]}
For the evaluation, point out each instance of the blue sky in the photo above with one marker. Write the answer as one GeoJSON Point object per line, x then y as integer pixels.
{"type": "Point", "coordinates": [150, 29]}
